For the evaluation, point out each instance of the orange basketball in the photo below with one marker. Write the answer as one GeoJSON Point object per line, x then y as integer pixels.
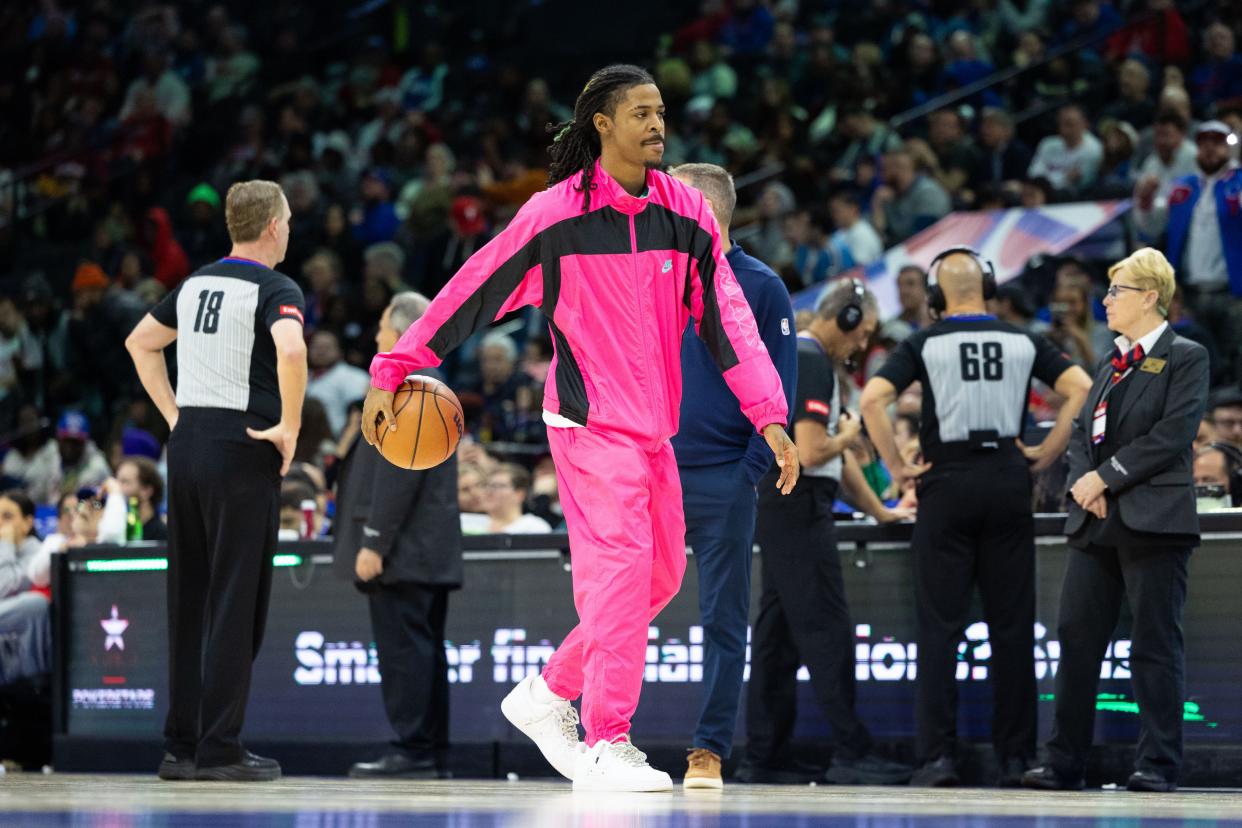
{"type": "Point", "coordinates": [429, 424]}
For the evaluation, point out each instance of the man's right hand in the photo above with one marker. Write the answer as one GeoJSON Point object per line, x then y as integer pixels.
{"type": "Point", "coordinates": [1145, 190]}
{"type": "Point", "coordinates": [283, 437]}
{"type": "Point", "coordinates": [377, 405]}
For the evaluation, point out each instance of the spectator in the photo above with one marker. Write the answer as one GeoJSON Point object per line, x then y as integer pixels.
{"type": "Point", "coordinates": [966, 67]}
{"type": "Point", "coordinates": [766, 237]}
{"type": "Point", "coordinates": [953, 154]}
{"type": "Point", "coordinates": [1219, 77]}
{"type": "Point", "coordinates": [203, 236]}
{"type": "Point", "coordinates": [509, 409]}
{"type": "Point", "coordinates": [504, 498]}
{"type": "Point", "coordinates": [1012, 305]}
{"type": "Point", "coordinates": [384, 263]}
{"type": "Point", "coordinates": [1212, 468]}
{"type": "Point", "coordinates": [1206, 433]}
{"type": "Point", "coordinates": [138, 478]}
{"type": "Point", "coordinates": [1070, 159]}
{"type": "Point", "coordinates": [1225, 411]}
{"type": "Point", "coordinates": [25, 625]}
{"type": "Point", "coordinates": [334, 382]}
{"type": "Point", "coordinates": [1035, 192]}
{"type": "Point", "coordinates": [1133, 103]}
{"type": "Point", "coordinates": [1204, 228]}
{"type": "Point", "coordinates": [812, 262]}
{"type": "Point", "coordinates": [1003, 159]}
{"type": "Point", "coordinates": [375, 219]}
{"type": "Point", "coordinates": [101, 319]}
{"type": "Point", "coordinates": [1160, 35]}
{"type": "Point", "coordinates": [912, 297]}
{"type": "Point", "coordinates": [855, 242]}
{"type": "Point", "coordinates": [29, 435]}
{"type": "Point", "coordinates": [1172, 156]}
{"type": "Point", "coordinates": [233, 70]}
{"type": "Point", "coordinates": [868, 139]}
{"type": "Point", "coordinates": [315, 441]}
{"type": "Point", "coordinates": [1074, 326]}
{"type": "Point", "coordinates": [1116, 176]}
{"type": "Point", "coordinates": [69, 462]}
{"type": "Point", "coordinates": [327, 302]}
{"type": "Point", "coordinates": [171, 95]}
{"type": "Point", "coordinates": [170, 261]}
{"type": "Point", "coordinates": [907, 202]}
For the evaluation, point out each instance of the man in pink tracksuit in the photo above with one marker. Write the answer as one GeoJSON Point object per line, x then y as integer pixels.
{"type": "Point", "coordinates": [619, 257]}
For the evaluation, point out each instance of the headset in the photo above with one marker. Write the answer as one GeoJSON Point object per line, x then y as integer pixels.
{"type": "Point", "coordinates": [851, 316]}
{"type": "Point", "coordinates": [935, 296]}
{"type": "Point", "coordinates": [1233, 467]}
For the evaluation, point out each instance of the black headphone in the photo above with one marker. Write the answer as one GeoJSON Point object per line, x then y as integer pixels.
{"type": "Point", "coordinates": [935, 296]}
{"type": "Point", "coordinates": [851, 316]}
{"type": "Point", "coordinates": [1233, 467]}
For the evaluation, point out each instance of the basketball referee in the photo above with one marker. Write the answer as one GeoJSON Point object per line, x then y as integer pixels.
{"type": "Point", "coordinates": [975, 521]}
{"type": "Point", "coordinates": [241, 377]}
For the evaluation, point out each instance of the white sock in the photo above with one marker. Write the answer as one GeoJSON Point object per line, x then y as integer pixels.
{"type": "Point", "coordinates": [541, 693]}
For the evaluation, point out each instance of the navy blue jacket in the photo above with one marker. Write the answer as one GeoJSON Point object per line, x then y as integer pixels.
{"type": "Point", "coordinates": [713, 429]}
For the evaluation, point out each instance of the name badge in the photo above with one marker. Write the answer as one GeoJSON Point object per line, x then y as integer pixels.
{"type": "Point", "coordinates": [1152, 365]}
{"type": "Point", "coordinates": [1098, 418]}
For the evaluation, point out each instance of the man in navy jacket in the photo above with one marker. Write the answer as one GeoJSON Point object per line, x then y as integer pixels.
{"type": "Point", "coordinates": [721, 457]}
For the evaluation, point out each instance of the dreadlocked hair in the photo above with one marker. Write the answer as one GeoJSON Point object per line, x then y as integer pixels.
{"type": "Point", "coordinates": [575, 145]}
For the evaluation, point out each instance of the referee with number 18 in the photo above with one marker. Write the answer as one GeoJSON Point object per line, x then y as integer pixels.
{"type": "Point", "coordinates": [234, 421]}
{"type": "Point", "coordinates": [975, 521]}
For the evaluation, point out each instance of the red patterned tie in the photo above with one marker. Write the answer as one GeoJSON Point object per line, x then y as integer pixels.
{"type": "Point", "coordinates": [1123, 363]}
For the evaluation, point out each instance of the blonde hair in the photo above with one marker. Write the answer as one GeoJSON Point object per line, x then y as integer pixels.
{"type": "Point", "coordinates": [249, 206]}
{"type": "Point", "coordinates": [1151, 271]}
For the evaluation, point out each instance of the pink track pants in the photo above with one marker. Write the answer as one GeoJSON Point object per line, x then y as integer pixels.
{"type": "Point", "coordinates": [627, 534]}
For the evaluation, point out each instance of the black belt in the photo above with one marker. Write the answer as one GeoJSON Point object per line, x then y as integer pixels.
{"type": "Point", "coordinates": [963, 450]}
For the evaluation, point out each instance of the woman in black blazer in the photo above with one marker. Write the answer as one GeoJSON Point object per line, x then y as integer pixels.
{"type": "Point", "coordinates": [1132, 526]}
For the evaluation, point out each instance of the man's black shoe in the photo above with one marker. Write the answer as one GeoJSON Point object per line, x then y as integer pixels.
{"type": "Point", "coordinates": [251, 768]}
{"type": "Point", "coordinates": [173, 769]}
{"type": "Point", "coordinates": [941, 773]}
{"type": "Point", "coordinates": [397, 766]}
{"type": "Point", "coordinates": [867, 770]}
{"type": "Point", "coordinates": [1149, 782]}
{"type": "Point", "coordinates": [1012, 769]}
{"type": "Point", "coordinates": [796, 773]}
{"type": "Point", "coordinates": [1048, 778]}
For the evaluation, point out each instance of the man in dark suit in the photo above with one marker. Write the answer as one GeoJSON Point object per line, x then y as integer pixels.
{"type": "Point", "coordinates": [1132, 527]}
{"type": "Point", "coordinates": [399, 536]}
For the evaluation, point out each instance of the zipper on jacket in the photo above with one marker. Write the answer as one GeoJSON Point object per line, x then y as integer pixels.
{"type": "Point", "coordinates": [642, 321]}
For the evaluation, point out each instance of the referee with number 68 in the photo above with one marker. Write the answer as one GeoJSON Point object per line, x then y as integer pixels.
{"type": "Point", "coordinates": [975, 522]}
{"type": "Point", "coordinates": [234, 421]}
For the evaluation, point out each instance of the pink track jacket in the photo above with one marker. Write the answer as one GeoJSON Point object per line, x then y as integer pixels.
{"type": "Point", "coordinates": [617, 285]}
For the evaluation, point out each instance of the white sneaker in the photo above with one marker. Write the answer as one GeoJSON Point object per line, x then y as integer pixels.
{"type": "Point", "coordinates": [617, 766]}
{"type": "Point", "coordinates": [552, 726]}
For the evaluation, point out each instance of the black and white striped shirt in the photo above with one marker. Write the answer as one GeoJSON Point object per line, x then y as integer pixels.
{"type": "Point", "coordinates": [223, 313]}
{"type": "Point", "coordinates": [976, 375]}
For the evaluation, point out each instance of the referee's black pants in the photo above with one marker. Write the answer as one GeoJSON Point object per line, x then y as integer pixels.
{"type": "Point", "coordinates": [975, 526]}
{"type": "Point", "coordinates": [223, 514]}
{"type": "Point", "coordinates": [407, 620]}
{"type": "Point", "coordinates": [1152, 579]}
{"type": "Point", "coordinates": [803, 619]}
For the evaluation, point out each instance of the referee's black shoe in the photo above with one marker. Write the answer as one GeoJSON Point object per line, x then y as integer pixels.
{"type": "Point", "coordinates": [174, 769]}
{"type": "Point", "coordinates": [1149, 782]}
{"type": "Point", "coordinates": [871, 769]}
{"type": "Point", "coordinates": [790, 773]}
{"type": "Point", "coordinates": [942, 773]}
{"type": "Point", "coordinates": [251, 768]}
{"type": "Point", "coordinates": [1048, 778]}
{"type": "Point", "coordinates": [397, 766]}
{"type": "Point", "coordinates": [1012, 769]}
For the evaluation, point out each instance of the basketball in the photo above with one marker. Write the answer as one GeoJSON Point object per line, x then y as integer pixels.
{"type": "Point", "coordinates": [429, 424]}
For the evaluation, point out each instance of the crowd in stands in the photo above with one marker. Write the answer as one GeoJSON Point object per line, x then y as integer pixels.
{"type": "Point", "coordinates": [406, 135]}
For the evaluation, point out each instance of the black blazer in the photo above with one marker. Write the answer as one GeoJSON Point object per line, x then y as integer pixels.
{"type": "Point", "coordinates": [409, 517]}
{"type": "Point", "coordinates": [1150, 479]}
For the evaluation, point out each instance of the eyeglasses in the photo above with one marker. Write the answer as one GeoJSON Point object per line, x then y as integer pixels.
{"type": "Point", "coordinates": [85, 507]}
{"type": "Point", "coordinates": [1115, 290]}
{"type": "Point", "coordinates": [497, 487]}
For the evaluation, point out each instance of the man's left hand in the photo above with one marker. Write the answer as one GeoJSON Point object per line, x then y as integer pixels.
{"type": "Point", "coordinates": [786, 456]}
{"type": "Point", "coordinates": [368, 565]}
{"type": "Point", "coordinates": [1087, 488]}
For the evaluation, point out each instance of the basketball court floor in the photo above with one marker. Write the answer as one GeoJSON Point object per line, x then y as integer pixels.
{"type": "Point", "coordinates": [86, 801]}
